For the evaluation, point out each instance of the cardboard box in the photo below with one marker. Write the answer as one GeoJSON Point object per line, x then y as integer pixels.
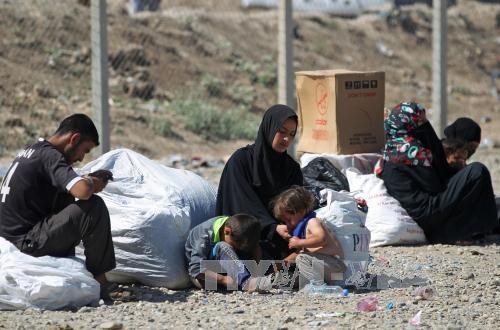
{"type": "Point", "coordinates": [340, 111]}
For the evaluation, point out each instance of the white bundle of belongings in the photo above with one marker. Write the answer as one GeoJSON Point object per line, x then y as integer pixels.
{"type": "Point", "coordinates": [386, 219]}
{"type": "Point", "coordinates": [152, 208]}
{"type": "Point", "coordinates": [44, 282]}
{"type": "Point", "coordinates": [347, 222]}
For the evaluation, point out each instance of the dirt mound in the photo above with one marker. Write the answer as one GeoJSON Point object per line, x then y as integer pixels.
{"type": "Point", "coordinates": [222, 55]}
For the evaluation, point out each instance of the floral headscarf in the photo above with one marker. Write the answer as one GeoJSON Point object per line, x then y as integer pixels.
{"type": "Point", "coordinates": [401, 146]}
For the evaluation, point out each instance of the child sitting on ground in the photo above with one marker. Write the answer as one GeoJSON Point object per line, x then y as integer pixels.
{"type": "Point", "coordinates": [318, 254]}
{"type": "Point", "coordinates": [223, 239]}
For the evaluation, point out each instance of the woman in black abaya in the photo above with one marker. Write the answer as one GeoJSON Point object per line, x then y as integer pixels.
{"type": "Point", "coordinates": [449, 207]}
{"type": "Point", "coordinates": [258, 172]}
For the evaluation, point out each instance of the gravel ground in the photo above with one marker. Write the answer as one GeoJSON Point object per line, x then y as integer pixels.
{"type": "Point", "coordinates": [466, 281]}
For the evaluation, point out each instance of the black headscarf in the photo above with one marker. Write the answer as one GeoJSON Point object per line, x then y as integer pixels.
{"type": "Point", "coordinates": [268, 165]}
{"type": "Point", "coordinates": [464, 129]}
{"type": "Point", "coordinates": [253, 175]}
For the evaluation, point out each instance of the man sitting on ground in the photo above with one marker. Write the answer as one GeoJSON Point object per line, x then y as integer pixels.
{"type": "Point", "coordinates": [38, 211]}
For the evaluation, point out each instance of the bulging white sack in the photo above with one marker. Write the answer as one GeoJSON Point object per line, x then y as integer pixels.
{"type": "Point", "coordinates": [387, 220]}
{"type": "Point", "coordinates": [152, 208]}
{"type": "Point", "coordinates": [347, 222]}
{"type": "Point", "coordinates": [45, 282]}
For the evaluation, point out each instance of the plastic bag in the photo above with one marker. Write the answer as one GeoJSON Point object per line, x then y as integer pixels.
{"type": "Point", "coordinates": [152, 208]}
{"type": "Point", "coordinates": [388, 221]}
{"type": "Point", "coordinates": [343, 218]}
{"type": "Point", "coordinates": [44, 282]}
{"type": "Point", "coordinates": [320, 174]}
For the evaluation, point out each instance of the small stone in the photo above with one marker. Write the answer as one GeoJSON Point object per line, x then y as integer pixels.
{"type": "Point", "coordinates": [85, 309]}
{"type": "Point", "coordinates": [469, 276]}
{"type": "Point", "coordinates": [485, 119]}
{"type": "Point", "coordinates": [453, 327]}
{"type": "Point", "coordinates": [316, 323]}
{"type": "Point", "coordinates": [111, 325]}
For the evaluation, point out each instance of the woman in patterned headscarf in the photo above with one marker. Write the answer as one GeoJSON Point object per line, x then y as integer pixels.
{"type": "Point", "coordinates": [449, 208]}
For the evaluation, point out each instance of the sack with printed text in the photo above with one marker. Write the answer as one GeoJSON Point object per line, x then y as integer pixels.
{"type": "Point", "coordinates": [347, 222]}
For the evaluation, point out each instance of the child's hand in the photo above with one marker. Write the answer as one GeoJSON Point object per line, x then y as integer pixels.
{"type": "Point", "coordinates": [361, 201]}
{"type": "Point", "coordinates": [282, 230]}
{"type": "Point", "coordinates": [294, 242]}
{"type": "Point", "coordinates": [362, 204]}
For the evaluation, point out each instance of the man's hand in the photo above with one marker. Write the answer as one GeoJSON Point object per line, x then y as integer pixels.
{"type": "Point", "coordinates": [98, 183]}
{"type": "Point", "coordinates": [282, 230]}
{"type": "Point", "coordinates": [104, 175]}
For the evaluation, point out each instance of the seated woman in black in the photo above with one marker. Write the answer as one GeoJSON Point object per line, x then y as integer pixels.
{"type": "Point", "coordinates": [258, 172]}
{"type": "Point", "coordinates": [449, 207]}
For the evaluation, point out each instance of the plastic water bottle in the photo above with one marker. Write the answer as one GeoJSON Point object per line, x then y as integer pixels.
{"type": "Point", "coordinates": [324, 289]}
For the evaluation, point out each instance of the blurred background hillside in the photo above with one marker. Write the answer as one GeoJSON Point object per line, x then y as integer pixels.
{"type": "Point", "coordinates": [194, 77]}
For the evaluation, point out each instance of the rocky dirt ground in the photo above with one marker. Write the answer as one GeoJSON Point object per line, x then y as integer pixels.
{"type": "Point", "coordinates": [216, 53]}
{"type": "Point", "coordinates": [44, 76]}
{"type": "Point", "coordinates": [465, 280]}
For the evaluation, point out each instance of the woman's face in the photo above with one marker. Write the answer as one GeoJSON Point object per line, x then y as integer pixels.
{"type": "Point", "coordinates": [284, 136]}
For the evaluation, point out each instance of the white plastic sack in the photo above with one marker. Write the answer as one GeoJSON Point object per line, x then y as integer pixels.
{"type": "Point", "coordinates": [342, 216]}
{"type": "Point", "coordinates": [46, 282]}
{"type": "Point", "coordinates": [363, 162]}
{"type": "Point", "coordinates": [152, 208]}
{"type": "Point", "coordinates": [388, 221]}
